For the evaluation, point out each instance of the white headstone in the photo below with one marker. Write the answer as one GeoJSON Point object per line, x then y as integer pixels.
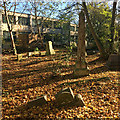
{"type": "Point", "coordinates": [49, 48]}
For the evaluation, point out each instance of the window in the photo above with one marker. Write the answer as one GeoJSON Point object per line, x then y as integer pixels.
{"type": "Point", "coordinates": [6, 36]}
{"type": "Point", "coordinates": [72, 28]}
{"type": "Point", "coordinates": [58, 37]}
{"type": "Point", "coordinates": [77, 28]}
{"type": "Point", "coordinates": [34, 22]}
{"type": "Point", "coordinates": [66, 26]}
{"type": "Point", "coordinates": [72, 38]}
{"type": "Point", "coordinates": [47, 37]}
{"type": "Point", "coordinates": [76, 38]}
{"type": "Point", "coordinates": [47, 24]}
{"type": "Point", "coordinates": [24, 32]}
{"type": "Point", "coordinates": [39, 21]}
{"type": "Point", "coordinates": [23, 21]}
{"type": "Point", "coordinates": [4, 19]}
{"type": "Point", "coordinates": [10, 17]}
{"type": "Point", "coordinates": [57, 24]}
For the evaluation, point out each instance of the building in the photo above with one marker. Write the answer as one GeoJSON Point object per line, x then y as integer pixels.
{"type": "Point", "coordinates": [51, 29]}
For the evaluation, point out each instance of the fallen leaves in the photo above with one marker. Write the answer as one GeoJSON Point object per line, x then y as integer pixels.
{"type": "Point", "coordinates": [33, 77]}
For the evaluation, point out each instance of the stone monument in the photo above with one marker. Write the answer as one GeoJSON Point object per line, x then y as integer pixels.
{"type": "Point", "coordinates": [81, 64]}
{"type": "Point", "coordinates": [113, 62]}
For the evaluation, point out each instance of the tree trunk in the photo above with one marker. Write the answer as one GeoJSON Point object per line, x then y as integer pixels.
{"type": "Point", "coordinates": [98, 42]}
{"type": "Point", "coordinates": [38, 30]}
{"type": "Point", "coordinates": [112, 27]}
{"type": "Point", "coordinates": [10, 31]}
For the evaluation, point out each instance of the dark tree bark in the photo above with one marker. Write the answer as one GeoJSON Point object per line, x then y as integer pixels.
{"type": "Point", "coordinates": [97, 40]}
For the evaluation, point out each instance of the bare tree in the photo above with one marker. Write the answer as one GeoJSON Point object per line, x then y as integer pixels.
{"type": "Point", "coordinates": [95, 36]}
{"type": "Point", "coordinates": [10, 27]}
{"type": "Point", "coordinates": [44, 9]}
{"type": "Point", "coordinates": [11, 7]}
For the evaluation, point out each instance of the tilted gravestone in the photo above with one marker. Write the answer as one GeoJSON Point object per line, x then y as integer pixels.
{"type": "Point", "coordinates": [78, 100]}
{"type": "Point", "coordinates": [113, 62]}
{"type": "Point", "coordinates": [49, 48]}
{"type": "Point", "coordinates": [34, 53]}
{"type": "Point", "coordinates": [19, 57]}
{"type": "Point", "coordinates": [64, 90]}
{"type": "Point", "coordinates": [38, 102]}
{"type": "Point", "coordinates": [66, 97]}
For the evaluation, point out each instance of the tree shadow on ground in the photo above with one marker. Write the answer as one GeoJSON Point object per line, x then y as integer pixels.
{"type": "Point", "coordinates": [53, 107]}
{"type": "Point", "coordinates": [50, 107]}
{"type": "Point", "coordinates": [39, 79]}
{"type": "Point", "coordinates": [96, 61]}
{"type": "Point", "coordinates": [99, 69]}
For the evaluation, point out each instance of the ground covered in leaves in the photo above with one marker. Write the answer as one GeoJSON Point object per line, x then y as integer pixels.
{"type": "Point", "coordinates": [23, 81]}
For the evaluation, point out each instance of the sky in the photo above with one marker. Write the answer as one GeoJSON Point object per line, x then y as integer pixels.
{"type": "Point", "coordinates": [110, 2]}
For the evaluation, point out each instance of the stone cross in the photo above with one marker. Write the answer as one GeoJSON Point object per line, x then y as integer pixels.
{"type": "Point", "coordinates": [81, 65]}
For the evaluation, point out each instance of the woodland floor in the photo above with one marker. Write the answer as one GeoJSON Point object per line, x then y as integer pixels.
{"type": "Point", "coordinates": [36, 76]}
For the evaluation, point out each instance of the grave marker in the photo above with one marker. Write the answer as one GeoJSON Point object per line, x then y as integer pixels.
{"type": "Point", "coordinates": [64, 97]}
{"type": "Point", "coordinates": [49, 48]}
{"type": "Point", "coordinates": [78, 100]}
{"type": "Point", "coordinates": [113, 62]}
{"type": "Point", "coordinates": [19, 57]}
{"type": "Point", "coordinates": [38, 102]}
{"type": "Point", "coordinates": [36, 53]}
{"type": "Point", "coordinates": [81, 64]}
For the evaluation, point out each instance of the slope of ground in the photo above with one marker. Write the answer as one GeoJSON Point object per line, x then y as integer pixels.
{"type": "Point", "coordinates": [35, 76]}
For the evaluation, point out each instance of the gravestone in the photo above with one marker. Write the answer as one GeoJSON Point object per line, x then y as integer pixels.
{"type": "Point", "coordinates": [19, 57]}
{"type": "Point", "coordinates": [49, 48]}
{"type": "Point", "coordinates": [113, 62]}
{"type": "Point", "coordinates": [78, 100]}
{"type": "Point", "coordinates": [64, 90]}
{"type": "Point", "coordinates": [81, 64]}
{"type": "Point", "coordinates": [23, 41]}
{"type": "Point", "coordinates": [29, 54]}
{"type": "Point", "coordinates": [35, 53]}
{"type": "Point", "coordinates": [43, 53]}
{"type": "Point", "coordinates": [64, 97]}
{"type": "Point", "coordinates": [38, 102]}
